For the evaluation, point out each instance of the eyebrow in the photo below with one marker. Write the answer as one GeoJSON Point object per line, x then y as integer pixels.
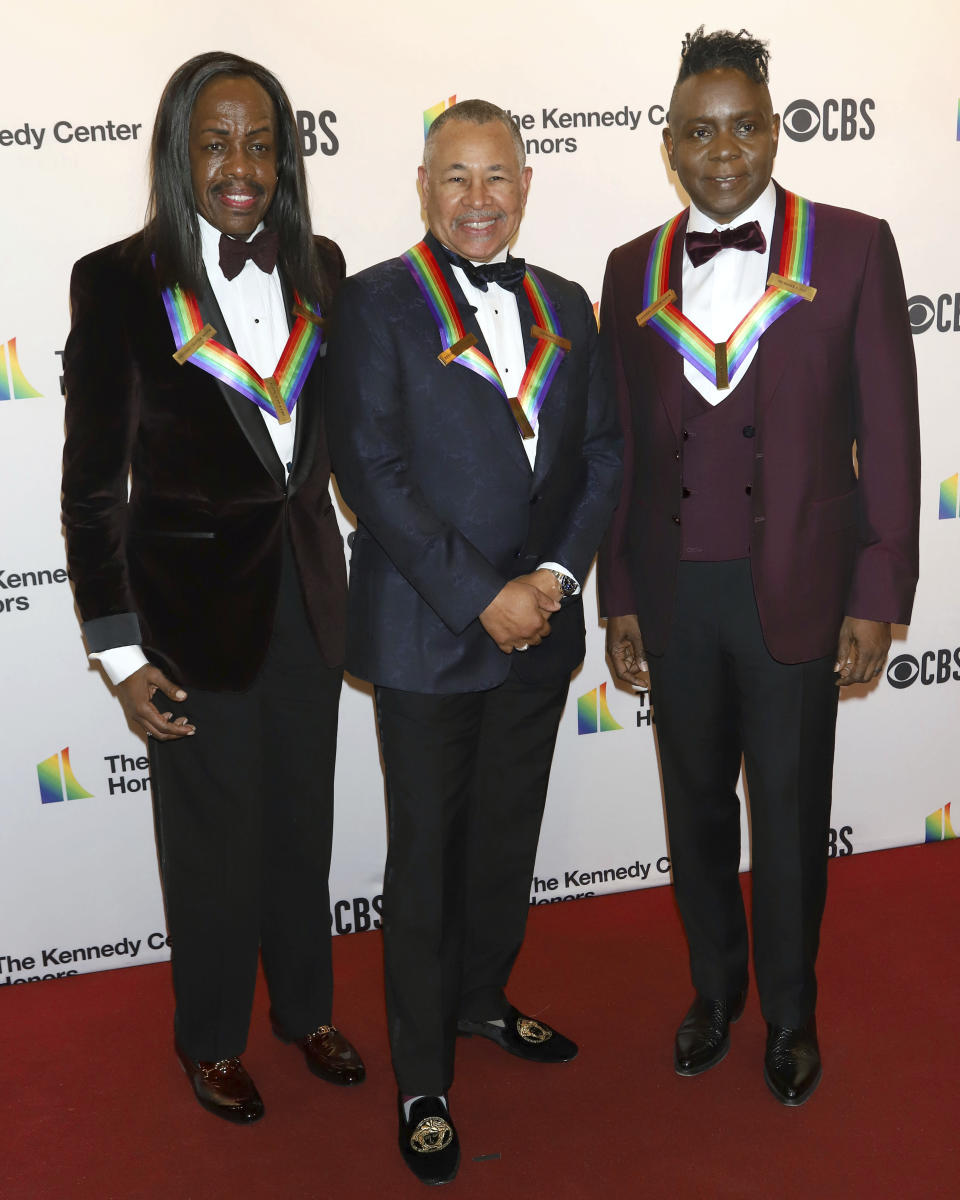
{"type": "Point", "coordinates": [459, 166]}
{"type": "Point", "coordinates": [750, 112]}
{"type": "Point", "coordinates": [226, 132]}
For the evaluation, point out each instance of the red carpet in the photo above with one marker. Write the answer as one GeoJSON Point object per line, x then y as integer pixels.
{"type": "Point", "coordinates": [93, 1103]}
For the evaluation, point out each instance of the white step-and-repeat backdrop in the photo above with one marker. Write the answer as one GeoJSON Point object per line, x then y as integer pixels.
{"type": "Point", "coordinates": [869, 104]}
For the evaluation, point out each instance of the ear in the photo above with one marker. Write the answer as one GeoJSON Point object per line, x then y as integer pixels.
{"type": "Point", "coordinates": [776, 133]}
{"type": "Point", "coordinates": [422, 182]}
{"type": "Point", "coordinates": [668, 145]}
{"type": "Point", "coordinates": [525, 176]}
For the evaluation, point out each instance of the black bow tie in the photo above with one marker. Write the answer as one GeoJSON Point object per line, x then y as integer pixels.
{"type": "Point", "coordinates": [262, 249]}
{"type": "Point", "coordinates": [507, 274]}
{"type": "Point", "coordinates": [701, 247]}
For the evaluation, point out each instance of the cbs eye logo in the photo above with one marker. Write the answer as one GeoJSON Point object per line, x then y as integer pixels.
{"type": "Point", "coordinates": [834, 120]}
{"type": "Point", "coordinates": [933, 666]}
{"type": "Point", "coordinates": [903, 671]}
{"type": "Point", "coordinates": [945, 311]}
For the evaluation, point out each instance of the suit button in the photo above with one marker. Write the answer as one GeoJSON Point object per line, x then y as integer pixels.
{"type": "Point", "coordinates": [676, 454]}
{"type": "Point", "coordinates": [535, 499]}
{"type": "Point", "coordinates": [518, 553]}
{"type": "Point", "coordinates": [685, 435]}
{"type": "Point", "coordinates": [749, 490]}
{"type": "Point", "coordinates": [685, 493]}
{"type": "Point", "coordinates": [675, 518]}
{"type": "Point", "coordinates": [748, 431]}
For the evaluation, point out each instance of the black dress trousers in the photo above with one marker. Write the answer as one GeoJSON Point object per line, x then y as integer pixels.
{"type": "Point", "coordinates": [718, 695]}
{"type": "Point", "coordinates": [244, 819]}
{"type": "Point", "coordinates": [466, 778]}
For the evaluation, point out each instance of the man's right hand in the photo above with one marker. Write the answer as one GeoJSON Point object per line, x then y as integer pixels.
{"type": "Point", "coordinates": [136, 694]}
{"type": "Point", "coordinates": [625, 648]}
{"type": "Point", "coordinates": [519, 615]}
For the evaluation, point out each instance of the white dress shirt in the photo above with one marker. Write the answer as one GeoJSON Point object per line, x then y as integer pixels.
{"type": "Point", "coordinates": [499, 321]}
{"type": "Point", "coordinates": [720, 293]}
{"type": "Point", "coordinates": [253, 309]}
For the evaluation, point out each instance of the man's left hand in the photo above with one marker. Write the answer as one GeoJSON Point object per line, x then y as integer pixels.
{"type": "Point", "coordinates": [861, 650]}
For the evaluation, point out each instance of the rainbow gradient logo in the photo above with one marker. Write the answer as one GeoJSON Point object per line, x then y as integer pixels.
{"type": "Point", "coordinates": [431, 114]}
{"type": "Point", "coordinates": [939, 826]}
{"type": "Point", "coordinates": [13, 382]}
{"type": "Point", "coordinates": [948, 498]}
{"type": "Point", "coordinates": [593, 712]}
{"type": "Point", "coordinates": [57, 780]}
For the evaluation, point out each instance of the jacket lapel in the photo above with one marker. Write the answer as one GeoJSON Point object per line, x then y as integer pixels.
{"type": "Point", "coordinates": [245, 412]}
{"type": "Point", "coordinates": [500, 416]}
{"type": "Point", "coordinates": [554, 410]}
{"type": "Point", "coordinates": [666, 363]}
{"type": "Point", "coordinates": [779, 341]}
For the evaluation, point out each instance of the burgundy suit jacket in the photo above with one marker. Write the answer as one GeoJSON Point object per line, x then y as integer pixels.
{"type": "Point", "coordinates": [838, 371]}
{"type": "Point", "coordinates": [189, 564]}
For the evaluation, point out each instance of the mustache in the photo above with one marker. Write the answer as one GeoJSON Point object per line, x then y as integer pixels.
{"type": "Point", "coordinates": [482, 214]}
{"type": "Point", "coordinates": [249, 186]}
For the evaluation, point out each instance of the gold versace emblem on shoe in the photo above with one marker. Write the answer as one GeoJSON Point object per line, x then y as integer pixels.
{"type": "Point", "coordinates": [430, 1135]}
{"type": "Point", "coordinates": [532, 1031]}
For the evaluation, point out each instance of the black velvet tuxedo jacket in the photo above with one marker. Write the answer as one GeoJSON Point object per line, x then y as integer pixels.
{"type": "Point", "coordinates": [827, 542]}
{"type": "Point", "coordinates": [448, 507]}
{"type": "Point", "coordinates": [189, 564]}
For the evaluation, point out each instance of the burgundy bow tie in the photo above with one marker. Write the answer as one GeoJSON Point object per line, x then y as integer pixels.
{"type": "Point", "coordinates": [262, 249]}
{"type": "Point", "coordinates": [703, 246]}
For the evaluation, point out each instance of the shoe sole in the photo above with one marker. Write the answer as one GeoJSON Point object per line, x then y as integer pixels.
{"type": "Point", "coordinates": [788, 1101]}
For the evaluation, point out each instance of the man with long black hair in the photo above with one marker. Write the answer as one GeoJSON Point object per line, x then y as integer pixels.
{"type": "Point", "coordinates": [755, 563]}
{"type": "Point", "coordinates": [214, 593]}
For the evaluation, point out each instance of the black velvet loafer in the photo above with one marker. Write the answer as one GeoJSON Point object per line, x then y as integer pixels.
{"type": "Point", "coordinates": [428, 1140]}
{"type": "Point", "coordinates": [523, 1036]}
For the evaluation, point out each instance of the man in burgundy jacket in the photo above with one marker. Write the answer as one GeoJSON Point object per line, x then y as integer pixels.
{"type": "Point", "coordinates": [766, 535]}
{"type": "Point", "coordinates": [214, 593]}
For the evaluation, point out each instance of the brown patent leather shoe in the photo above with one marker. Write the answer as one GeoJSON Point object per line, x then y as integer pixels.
{"type": "Point", "coordinates": [328, 1054]}
{"type": "Point", "coordinates": [223, 1088]}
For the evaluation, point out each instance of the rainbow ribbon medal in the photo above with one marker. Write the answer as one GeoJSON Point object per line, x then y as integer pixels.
{"type": "Point", "coordinates": [276, 395]}
{"type": "Point", "coordinates": [785, 288]}
{"type": "Point", "coordinates": [461, 347]}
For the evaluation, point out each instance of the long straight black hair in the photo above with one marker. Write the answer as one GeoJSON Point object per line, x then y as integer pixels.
{"type": "Point", "coordinates": [173, 231]}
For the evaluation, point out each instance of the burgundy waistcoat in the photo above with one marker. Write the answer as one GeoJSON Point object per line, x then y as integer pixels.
{"type": "Point", "coordinates": [719, 442]}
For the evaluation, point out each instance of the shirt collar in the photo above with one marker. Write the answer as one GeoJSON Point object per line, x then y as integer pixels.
{"type": "Point", "coordinates": [763, 210]}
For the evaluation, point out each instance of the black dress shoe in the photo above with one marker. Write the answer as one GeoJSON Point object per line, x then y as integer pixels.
{"type": "Point", "coordinates": [428, 1140]}
{"type": "Point", "coordinates": [703, 1038]}
{"type": "Point", "coordinates": [524, 1037]}
{"type": "Point", "coordinates": [791, 1065]}
{"type": "Point", "coordinates": [328, 1054]}
{"type": "Point", "coordinates": [223, 1088]}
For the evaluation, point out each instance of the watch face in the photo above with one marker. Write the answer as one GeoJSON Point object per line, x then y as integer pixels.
{"type": "Point", "coordinates": [567, 585]}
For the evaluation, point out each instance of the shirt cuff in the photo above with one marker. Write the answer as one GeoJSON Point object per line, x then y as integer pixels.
{"type": "Point", "coordinates": [120, 662]}
{"type": "Point", "coordinates": [552, 566]}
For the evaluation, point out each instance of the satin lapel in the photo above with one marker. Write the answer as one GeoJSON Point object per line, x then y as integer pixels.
{"type": "Point", "coordinates": [550, 424]}
{"type": "Point", "coordinates": [309, 413]}
{"type": "Point", "coordinates": [667, 363]}
{"type": "Point", "coordinates": [501, 415]}
{"type": "Point", "coordinates": [245, 412]}
{"type": "Point", "coordinates": [778, 343]}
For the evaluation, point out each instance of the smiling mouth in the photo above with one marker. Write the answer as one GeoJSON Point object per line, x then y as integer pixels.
{"type": "Point", "coordinates": [241, 201]}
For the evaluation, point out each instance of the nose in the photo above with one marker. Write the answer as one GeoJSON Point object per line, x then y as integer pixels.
{"type": "Point", "coordinates": [476, 194]}
{"type": "Point", "coordinates": [236, 162]}
{"type": "Point", "coordinates": [724, 146]}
